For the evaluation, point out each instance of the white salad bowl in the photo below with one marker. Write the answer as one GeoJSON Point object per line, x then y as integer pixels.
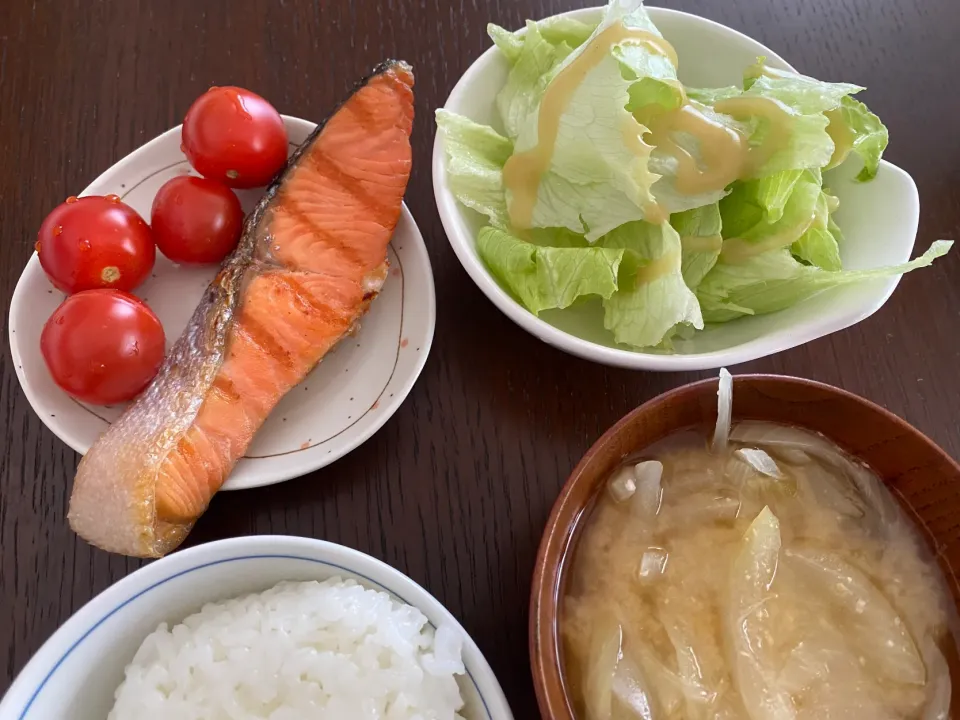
{"type": "Point", "coordinates": [77, 671]}
{"type": "Point", "coordinates": [879, 221]}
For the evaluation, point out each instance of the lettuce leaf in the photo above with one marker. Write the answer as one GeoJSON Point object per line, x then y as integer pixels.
{"type": "Point", "coordinates": [808, 144]}
{"type": "Point", "coordinates": [710, 96]}
{"type": "Point", "coordinates": [700, 238]}
{"type": "Point", "coordinates": [531, 73]}
{"type": "Point", "coordinates": [802, 94]}
{"type": "Point", "coordinates": [787, 209]}
{"type": "Point", "coordinates": [804, 100]}
{"type": "Point", "coordinates": [555, 30]}
{"type": "Point", "coordinates": [652, 299]}
{"type": "Point", "coordinates": [860, 131]}
{"type": "Point", "coordinates": [746, 212]}
{"type": "Point", "coordinates": [818, 245]}
{"type": "Point", "coordinates": [598, 177]}
{"type": "Point", "coordinates": [548, 277]}
{"type": "Point", "coordinates": [475, 158]}
{"type": "Point", "coordinates": [509, 44]}
{"type": "Point", "coordinates": [773, 191]}
{"type": "Point", "coordinates": [647, 71]}
{"type": "Point", "coordinates": [850, 124]}
{"type": "Point", "coordinates": [774, 280]}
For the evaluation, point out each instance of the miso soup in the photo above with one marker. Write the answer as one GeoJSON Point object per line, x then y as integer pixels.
{"type": "Point", "coordinates": [769, 577]}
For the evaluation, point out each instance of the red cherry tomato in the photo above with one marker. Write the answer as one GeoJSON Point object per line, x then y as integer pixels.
{"type": "Point", "coordinates": [95, 242]}
{"type": "Point", "coordinates": [196, 220]}
{"type": "Point", "coordinates": [102, 346]}
{"type": "Point", "coordinates": [234, 136]}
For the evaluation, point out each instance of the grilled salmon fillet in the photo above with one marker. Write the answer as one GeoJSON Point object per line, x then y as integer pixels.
{"type": "Point", "coordinates": [311, 259]}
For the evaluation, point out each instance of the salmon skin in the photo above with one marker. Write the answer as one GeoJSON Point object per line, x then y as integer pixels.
{"type": "Point", "coordinates": [312, 257]}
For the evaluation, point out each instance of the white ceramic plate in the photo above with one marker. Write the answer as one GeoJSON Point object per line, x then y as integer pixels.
{"type": "Point", "coordinates": [75, 673]}
{"type": "Point", "coordinates": [879, 222]}
{"type": "Point", "coordinates": [350, 395]}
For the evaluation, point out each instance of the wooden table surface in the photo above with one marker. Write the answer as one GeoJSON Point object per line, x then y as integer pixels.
{"type": "Point", "coordinates": [455, 489]}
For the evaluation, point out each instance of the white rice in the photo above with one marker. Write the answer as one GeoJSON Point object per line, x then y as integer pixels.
{"type": "Point", "coordinates": [325, 651]}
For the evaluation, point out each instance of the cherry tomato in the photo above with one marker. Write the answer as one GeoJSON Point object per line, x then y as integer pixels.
{"type": "Point", "coordinates": [95, 242]}
{"type": "Point", "coordinates": [102, 346]}
{"type": "Point", "coordinates": [196, 220]}
{"type": "Point", "coordinates": [234, 136]}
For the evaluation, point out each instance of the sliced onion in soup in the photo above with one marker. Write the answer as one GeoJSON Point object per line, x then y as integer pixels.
{"type": "Point", "coordinates": [622, 485]}
{"type": "Point", "coordinates": [631, 693]}
{"type": "Point", "coordinates": [606, 651]}
{"type": "Point", "coordinates": [653, 563]}
{"type": "Point", "coordinates": [760, 461]}
{"type": "Point", "coordinates": [646, 500]}
{"type": "Point", "coordinates": [724, 410]}
{"type": "Point", "coordinates": [938, 706]}
{"type": "Point", "coordinates": [870, 621]}
{"type": "Point", "coordinates": [748, 623]}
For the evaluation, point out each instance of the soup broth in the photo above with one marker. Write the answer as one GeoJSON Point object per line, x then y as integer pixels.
{"type": "Point", "coordinates": [770, 578]}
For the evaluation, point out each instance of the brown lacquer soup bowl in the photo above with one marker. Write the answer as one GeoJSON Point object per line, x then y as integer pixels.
{"type": "Point", "coordinates": [921, 476]}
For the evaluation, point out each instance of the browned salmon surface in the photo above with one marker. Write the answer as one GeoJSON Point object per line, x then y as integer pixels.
{"type": "Point", "coordinates": [311, 259]}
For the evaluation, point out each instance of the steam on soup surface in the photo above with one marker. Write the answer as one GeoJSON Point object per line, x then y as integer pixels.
{"type": "Point", "coordinates": [769, 578]}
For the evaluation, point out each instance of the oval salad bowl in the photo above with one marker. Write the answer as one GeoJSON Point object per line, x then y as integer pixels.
{"type": "Point", "coordinates": [878, 220]}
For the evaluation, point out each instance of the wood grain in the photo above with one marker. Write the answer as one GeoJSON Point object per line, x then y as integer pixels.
{"type": "Point", "coordinates": [456, 488]}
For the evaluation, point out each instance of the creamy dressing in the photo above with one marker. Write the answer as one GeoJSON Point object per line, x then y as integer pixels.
{"type": "Point", "coordinates": [841, 135]}
{"type": "Point", "coordinates": [633, 139]}
{"type": "Point", "coordinates": [721, 148]}
{"type": "Point", "coordinates": [656, 269]}
{"type": "Point", "coordinates": [738, 250]}
{"type": "Point", "coordinates": [778, 129]}
{"type": "Point", "coordinates": [701, 243]}
{"type": "Point", "coordinates": [654, 213]}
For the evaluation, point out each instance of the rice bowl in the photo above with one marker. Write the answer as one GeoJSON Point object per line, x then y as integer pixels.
{"type": "Point", "coordinates": [76, 673]}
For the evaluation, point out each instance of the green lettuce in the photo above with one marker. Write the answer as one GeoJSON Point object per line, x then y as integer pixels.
{"type": "Point", "coordinates": [652, 299]}
{"type": "Point", "coordinates": [808, 145]}
{"type": "Point", "coordinates": [868, 135]}
{"type": "Point", "coordinates": [773, 192]}
{"type": "Point", "coordinates": [699, 231]}
{"type": "Point", "coordinates": [818, 245]}
{"type": "Point", "coordinates": [775, 280]}
{"type": "Point", "coordinates": [787, 209]}
{"type": "Point", "coordinates": [598, 177]}
{"type": "Point", "coordinates": [528, 79]}
{"type": "Point", "coordinates": [816, 106]}
{"type": "Point", "coordinates": [802, 94]}
{"type": "Point", "coordinates": [548, 277]}
{"type": "Point", "coordinates": [475, 158]}
{"type": "Point", "coordinates": [710, 96]}
{"type": "Point", "coordinates": [747, 211]}
{"type": "Point", "coordinates": [805, 102]}
{"type": "Point", "coordinates": [556, 31]}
